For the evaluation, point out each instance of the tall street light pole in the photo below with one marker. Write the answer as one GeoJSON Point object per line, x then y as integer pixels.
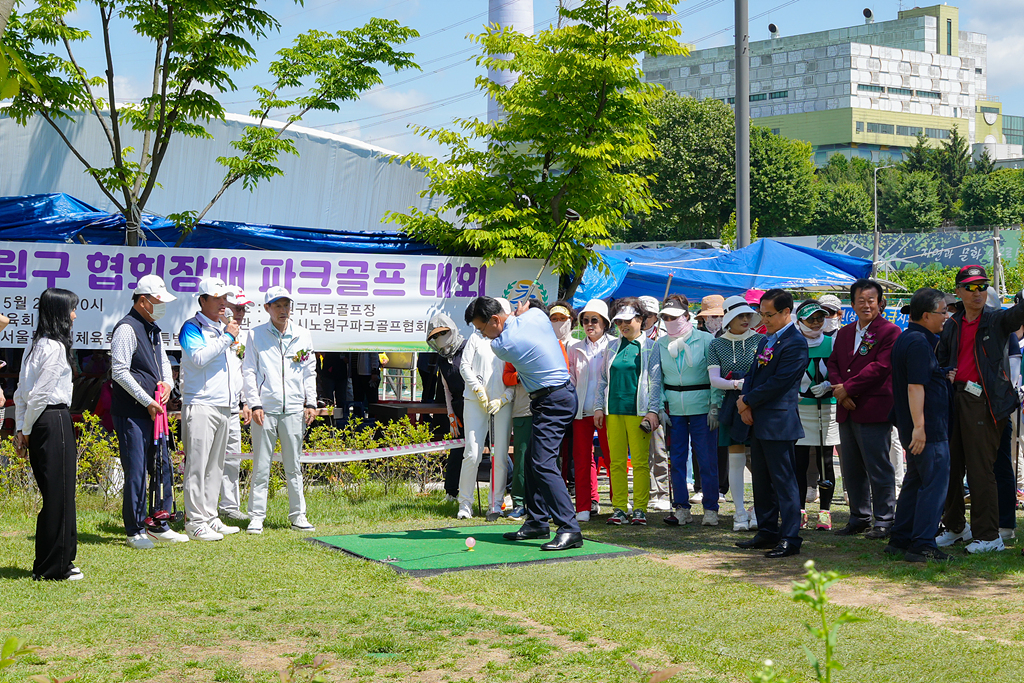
{"type": "Point", "coordinates": [878, 237]}
{"type": "Point", "coordinates": [742, 125]}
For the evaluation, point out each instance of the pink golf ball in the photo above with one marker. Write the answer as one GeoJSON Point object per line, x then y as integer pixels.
{"type": "Point", "coordinates": [470, 542]}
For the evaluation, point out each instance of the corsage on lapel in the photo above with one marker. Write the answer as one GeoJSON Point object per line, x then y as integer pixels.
{"type": "Point", "coordinates": [866, 342]}
{"type": "Point", "coordinates": [301, 356]}
{"type": "Point", "coordinates": [239, 350]}
{"type": "Point", "coordinates": [765, 357]}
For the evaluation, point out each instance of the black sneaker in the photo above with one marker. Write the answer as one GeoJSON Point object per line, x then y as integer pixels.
{"type": "Point", "coordinates": [926, 554]}
{"type": "Point", "coordinates": [878, 533]}
{"type": "Point", "coordinates": [893, 550]}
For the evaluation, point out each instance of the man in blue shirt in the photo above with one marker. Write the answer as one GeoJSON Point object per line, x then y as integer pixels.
{"type": "Point", "coordinates": [920, 407]}
{"type": "Point", "coordinates": [528, 342]}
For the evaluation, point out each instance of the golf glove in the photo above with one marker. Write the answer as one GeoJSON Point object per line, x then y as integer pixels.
{"type": "Point", "coordinates": [713, 419]}
{"type": "Point", "coordinates": [820, 390]}
{"type": "Point", "coordinates": [494, 406]}
{"type": "Point", "coordinates": [664, 418]}
{"type": "Point", "coordinates": [481, 396]}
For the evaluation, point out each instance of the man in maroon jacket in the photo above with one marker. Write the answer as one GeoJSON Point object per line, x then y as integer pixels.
{"type": "Point", "coordinates": [860, 371]}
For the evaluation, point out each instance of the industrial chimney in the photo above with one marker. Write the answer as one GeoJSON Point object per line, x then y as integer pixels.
{"type": "Point", "coordinates": [514, 14]}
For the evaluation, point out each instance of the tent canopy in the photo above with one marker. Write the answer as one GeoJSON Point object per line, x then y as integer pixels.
{"type": "Point", "coordinates": [697, 273]}
{"type": "Point", "coordinates": [61, 218]}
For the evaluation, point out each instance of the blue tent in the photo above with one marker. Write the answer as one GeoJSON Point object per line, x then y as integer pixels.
{"type": "Point", "coordinates": [61, 218]}
{"type": "Point", "coordinates": [699, 272]}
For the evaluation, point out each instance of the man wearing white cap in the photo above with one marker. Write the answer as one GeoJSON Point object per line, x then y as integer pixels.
{"type": "Point", "coordinates": [279, 379]}
{"type": "Point", "coordinates": [207, 397]}
{"type": "Point", "coordinates": [230, 496]}
{"type": "Point", "coordinates": [659, 448]}
{"type": "Point", "coordinates": [139, 365]}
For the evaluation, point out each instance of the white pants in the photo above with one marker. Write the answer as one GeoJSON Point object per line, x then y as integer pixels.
{"type": "Point", "coordinates": [205, 433]}
{"type": "Point", "coordinates": [477, 423]}
{"type": "Point", "coordinates": [230, 496]}
{"type": "Point", "coordinates": [289, 429]}
{"type": "Point", "coordinates": [896, 457]}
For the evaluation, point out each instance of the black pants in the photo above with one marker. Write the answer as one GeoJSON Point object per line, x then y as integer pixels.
{"type": "Point", "coordinates": [54, 458]}
{"type": "Point", "coordinates": [825, 468]}
{"type": "Point", "coordinates": [452, 471]}
{"type": "Point", "coordinates": [545, 489]}
{"type": "Point", "coordinates": [1006, 481]}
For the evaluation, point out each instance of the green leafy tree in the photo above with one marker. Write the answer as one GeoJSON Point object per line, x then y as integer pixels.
{"type": "Point", "coordinates": [993, 199]}
{"type": "Point", "coordinates": [198, 47]}
{"type": "Point", "coordinates": [694, 171]}
{"type": "Point", "coordinates": [839, 208]}
{"type": "Point", "coordinates": [575, 119]}
{"type": "Point", "coordinates": [781, 183]}
{"type": "Point", "coordinates": [983, 165]}
{"type": "Point", "coordinates": [908, 202]}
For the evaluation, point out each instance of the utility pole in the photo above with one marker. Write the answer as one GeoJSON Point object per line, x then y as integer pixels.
{"type": "Point", "coordinates": [877, 235]}
{"type": "Point", "coordinates": [742, 125]}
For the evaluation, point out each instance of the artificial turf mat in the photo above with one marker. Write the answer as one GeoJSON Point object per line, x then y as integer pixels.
{"type": "Point", "coordinates": [426, 552]}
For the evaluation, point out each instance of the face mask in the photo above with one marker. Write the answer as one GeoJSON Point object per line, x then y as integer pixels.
{"type": "Point", "coordinates": [831, 325]}
{"type": "Point", "coordinates": [563, 328]}
{"type": "Point", "coordinates": [677, 327]}
{"type": "Point", "coordinates": [713, 324]}
{"type": "Point", "coordinates": [809, 332]}
{"type": "Point", "coordinates": [158, 311]}
{"type": "Point", "coordinates": [441, 342]}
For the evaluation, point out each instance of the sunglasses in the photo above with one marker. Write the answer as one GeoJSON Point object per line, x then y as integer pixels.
{"type": "Point", "coordinates": [976, 287]}
{"type": "Point", "coordinates": [816, 318]}
{"type": "Point", "coordinates": [590, 321]}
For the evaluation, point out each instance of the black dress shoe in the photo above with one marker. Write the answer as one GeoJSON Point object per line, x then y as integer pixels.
{"type": "Point", "coordinates": [564, 540]}
{"type": "Point", "coordinates": [757, 543]}
{"type": "Point", "coordinates": [526, 535]}
{"type": "Point", "coordinates": [878, 533]}
{"type": "Point", "coordinates": [783, 549]}
{"type": "Point", "coordinates": [851, 530]}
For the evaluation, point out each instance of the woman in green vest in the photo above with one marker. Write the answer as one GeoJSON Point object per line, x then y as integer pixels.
{"type": "Point", "coordinates": [817, 409]}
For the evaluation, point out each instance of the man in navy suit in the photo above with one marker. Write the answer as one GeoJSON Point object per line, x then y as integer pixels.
{"type": "Point", "coordinates": [769, 406]}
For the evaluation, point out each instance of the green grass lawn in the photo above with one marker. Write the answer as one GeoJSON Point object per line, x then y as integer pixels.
{"type": "Point", "coordinates": [243, 608]}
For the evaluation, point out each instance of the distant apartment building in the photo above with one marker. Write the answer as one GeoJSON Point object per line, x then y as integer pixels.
{"type": "Point", "coordinates": [862, 91]}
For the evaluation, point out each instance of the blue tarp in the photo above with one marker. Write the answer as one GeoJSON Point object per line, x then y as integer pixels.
{"type": "Point", "coordinates": [62, 218]}
{"type": "Point", "coordinates": [699, 272]}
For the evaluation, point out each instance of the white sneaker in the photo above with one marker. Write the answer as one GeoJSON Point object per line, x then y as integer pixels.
{"type": "Point", "coordinates": [235, 515]}
{"type": "Point", "coordinates": [222, 528]}
{"type": "Point", "coordinates": [948, 537]}
{"type": "Point", "coordinates": [751, 520]}
{"type": "Point", "coordinates": [696, 499]}
{"type": "Point", "coordinates": [465, 512]}
{"type": "Point", "coordinates": [75, 574]}
{"type": "Point", "coordinates": [169, 536]}
{"type": "Point", "coordinates": [659, 506]}
{"type": "Point", "coordinates": [684, 516]}
{"type": "Point", "coordinates": [300, 523]}
{"type": "Point", "coordinates": [1007, 534]}
{"type": "Point", "coordinates": [722, 498]}
{"type": "Point", "coordinates": [202, 532]}
{"type": "Point", "coordinates": [140, 542]}
{"type": "Point", "coordinates": [812, 494]}
{"type": "Point", "coordinates": [741, 521]}
{"type": "Point", "coordinates": [583, 516]}
{"type": "Point", "coordinates": [710, 518]}
{"type": "Point", "coordinates": [255, 525]}
{"type": "Point", "coordinates": [978, 546]}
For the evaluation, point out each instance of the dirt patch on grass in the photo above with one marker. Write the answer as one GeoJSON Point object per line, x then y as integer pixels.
{"type": "Point", "coordinates": [917, 603]}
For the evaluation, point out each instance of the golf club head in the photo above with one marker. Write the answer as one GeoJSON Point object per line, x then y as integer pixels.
{"type": "Point", "coordinates": [162, 515]}
{"type": "Point", "coordinates": [826, 485]}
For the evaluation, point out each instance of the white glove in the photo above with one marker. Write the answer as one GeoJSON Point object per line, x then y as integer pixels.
{"type": "Point", "coordinates": [481, 396]}
{"type": "Point", "coordinates": [822, 389]}
{"type": "Point", "coordinates": [738, 384]}
{"type": "Point", "coordinates": [494, 406]}
{"type": "Point", "coordinates": [713, 419]}
{"type": "Point", "coordinates": [664, 419]}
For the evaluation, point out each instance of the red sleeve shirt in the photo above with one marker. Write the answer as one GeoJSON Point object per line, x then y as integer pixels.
{"type": "Point", "coordinates": [966, 368]}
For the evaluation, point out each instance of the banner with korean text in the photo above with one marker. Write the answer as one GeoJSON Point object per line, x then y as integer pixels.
{"type": "Point", "coordinates": [349, 302]}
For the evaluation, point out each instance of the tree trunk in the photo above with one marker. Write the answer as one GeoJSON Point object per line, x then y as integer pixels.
{"type": "Point", "coordinates": [5, 13]}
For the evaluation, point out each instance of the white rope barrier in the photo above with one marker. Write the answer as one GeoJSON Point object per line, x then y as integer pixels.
{"type": "Point", "coordinates": [324, 457]}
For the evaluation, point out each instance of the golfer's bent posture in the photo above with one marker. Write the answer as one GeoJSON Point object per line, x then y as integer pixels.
{"type": "Point", "coordinates": [529, 343]}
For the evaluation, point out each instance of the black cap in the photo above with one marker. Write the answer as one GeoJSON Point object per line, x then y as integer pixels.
{"type": "Point", "coordinates": [969, 274]}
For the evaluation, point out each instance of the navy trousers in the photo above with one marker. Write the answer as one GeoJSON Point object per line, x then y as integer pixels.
{"type": "Point", "coordinates": [777, 496]}
{"type": "Point", "coordinates": [135, 440]}
{"type": "Point", "coordinates": [545, 490]}
{"type": "Point", "coordinates": [691, 432]}
{"type": "Point", "coordinates": [1006, 481]}
{"type": "Point", "coordinates": [922, 498]}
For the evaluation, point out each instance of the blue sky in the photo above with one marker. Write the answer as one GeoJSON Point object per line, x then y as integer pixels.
{"type": "Point", "coordinates": [444, 89]}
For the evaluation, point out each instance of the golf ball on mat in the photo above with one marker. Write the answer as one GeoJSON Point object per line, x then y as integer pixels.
{"type": "Point", "coordinates": [470, 542]}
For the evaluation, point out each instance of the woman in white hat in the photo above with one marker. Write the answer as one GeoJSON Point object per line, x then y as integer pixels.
{"type": "Point", "coordinates": [629, 398]}
{"type": "Point", "coordinates": [687, 395]}
{"type": "Point", "coordinates": [586, 360]}
{"type": "Point", "coordinates": [730, 357]}
{"type": "Point", "coordinates": [817, 410]}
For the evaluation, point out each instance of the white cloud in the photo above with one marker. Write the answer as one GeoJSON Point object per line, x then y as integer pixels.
{"type": "Point", "coordinates": [389, 99]}
{"type": "Point", "coordinates": [1003, 22]}
{"type": "Point", "coordinates": [127, 89]}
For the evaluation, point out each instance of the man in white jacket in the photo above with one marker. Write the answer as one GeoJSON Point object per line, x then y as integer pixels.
{"type": "Point", "coordinates": [487, 401]}
{"type": "Point", "coordinates": [230, 495]}
{"type": "Point", "coordinates": [206, 396]}
{"type": "Point", "coordinates": [279, 380]}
